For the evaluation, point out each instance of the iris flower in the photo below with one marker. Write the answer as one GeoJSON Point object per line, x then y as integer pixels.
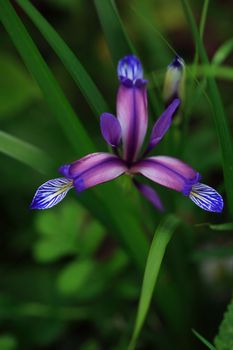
{"type": "Point", "coordinates": [125, 134]}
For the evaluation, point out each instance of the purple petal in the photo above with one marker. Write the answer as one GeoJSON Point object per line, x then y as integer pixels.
{"type": "Point", "coordinates": [129, 69]}
{"type": "Point", "coordinates": [94, 169]}
{"type": "Point", "coordinates": [51, 193]}
{"type": "Point", "coordinates": [150, 194]}
{"type": "Point", "coordinates": [132, 115]}
{"type": "Point", "coordinates": [110, 129]}
{"type": "Point", "coordinates": [206, 198]}
{"type": "Point", "coordinates": [169, 172]}
{"type": "Point", "coordinates": [162, 124]}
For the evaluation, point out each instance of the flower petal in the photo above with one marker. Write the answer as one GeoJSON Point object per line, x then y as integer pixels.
{"type": "Point", "coordinates": [129, 69]}
{"type": "Point", "coordinates": [162, 124]}
{"type": "Point", "coordinates": [110, 129]}
{"type": "Point", "coordinates": [206, 198]}
{"type": "Point", "coordinates": [150, 194]}
{"type": "Point", "coordinates": [132, 115]}
{"type": "Point", "coordinates": [51, 193]}
{"type": "Point", "coordinates": [167, 171]}
{"type": "Point", "coordinates": [94, 169]}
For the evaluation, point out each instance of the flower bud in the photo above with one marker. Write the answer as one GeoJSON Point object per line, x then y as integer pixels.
{"type": "Point", "coordinates": [174, 80]}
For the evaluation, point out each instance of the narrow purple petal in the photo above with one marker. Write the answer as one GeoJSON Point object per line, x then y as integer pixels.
{"type": "Point", "coordinates": [94, 169]}
{"type": "Point", "coordinates": [51, 193]}
{"type": "Point", "coordinates": [162, 124]}
{"type": "Point", "coordinates": [129, 70]}
{"type": "Point", "coordinates": [101, 173]}
{"type": "Point", "coordinates": [80, 166]}
{"type": "Point", "coordinates": [167, 171]}
{"type": "Point", "coordinates": [110, 129]}
{"type": "Point", "coordinates": [150, 194]}
{"type": "Point", "coordinates": [206, 198]}
{"type": "Point", "coordinates": [132, 115]}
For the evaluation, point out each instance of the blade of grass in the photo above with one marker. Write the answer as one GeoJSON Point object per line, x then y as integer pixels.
{"type": "Point", "coordinates": [218, 110]}
{"type": "Point", "coordinates": [24, 152]}
{"type": "Point", "coordinates": [224, 337]}
{"type": "Point", "coordinates": [117, 39]}
{"type": "Point", "coordinates": [70, 61]}
{"type": "Point", "coordinates": [203, 17]}
{"type": "Point", "coordinates": [160, 241]}
{"type": "Point", "coordinates": [53, 94]}
{"type": "Point", "coordinates": [115, 207]}
{"type": "Point", "coordinates": [203, 340]}
{"type": "Point", "coordinates": [222, 52]}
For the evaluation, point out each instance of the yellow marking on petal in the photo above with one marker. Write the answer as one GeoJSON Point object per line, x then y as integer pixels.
{"type": "Point", "coordinates": [195, 194]}
{"type": "Point", "coordinates": [64, 188]}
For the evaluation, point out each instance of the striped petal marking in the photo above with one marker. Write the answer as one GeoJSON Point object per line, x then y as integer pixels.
{"type": "Point", "coordinates": [206, 198]}
{"type": "Point", "coordinates": [51, 193]}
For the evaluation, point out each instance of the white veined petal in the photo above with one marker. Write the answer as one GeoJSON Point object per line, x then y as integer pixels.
{"type": "Point", "coordinates": [206, 198]}
{"type": "Point", "coordinates": [51, 193]}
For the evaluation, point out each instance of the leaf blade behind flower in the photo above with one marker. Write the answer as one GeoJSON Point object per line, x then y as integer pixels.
{"type": "Point", "coordinates": [159, 243]}
{"type": "Point", "coordinates": [68, 58]}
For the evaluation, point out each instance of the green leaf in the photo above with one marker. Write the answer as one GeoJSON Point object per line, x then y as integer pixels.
{"type": "Point", "coordinates": [70, 61]}
{"type": "Point", "coordinates": [223, 52]}
{"type": "Point", "coordinates": [74, 276]}
{"type": "Point", "coordinates": [7, 342]}
{"type": "Point", "coordinates": [219, 116]}
{"type": "Point", "coordinates": [160, 241]}
{"type": "Point", "coordinates": [65, 231]}
{"type": "Point", "coordinates": [117, 39]}
{"type": "Point", "coordinates": [52, 92]}
{"type": "Point", "coordinates": [17, 90]}
{"type": "Point", "coordinates": [203, 340]}
{"type": "Point", "coordinates": [24, 152]}
{"type": "Point", "coordinates": [224, 339]}
{"type": "Point", "coordinates": [228, 226]}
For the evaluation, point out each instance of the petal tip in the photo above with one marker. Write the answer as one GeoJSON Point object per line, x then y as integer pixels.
{"type": "Point", "coordinates": [110, 129]}
{"type": "Point", "coordinates": [129, 69]}
{"type": "Point", "coordinates": [50, 193]}
{"type": "Point", "coordinates": [177, 62]}
{"type": "Point", "coordinates": [206, 198]}
{"type": "Point", "coordinates": [64, 170]}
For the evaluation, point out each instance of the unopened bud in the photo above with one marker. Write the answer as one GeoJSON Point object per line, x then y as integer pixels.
{"type": "Point", "coordinates": [174, 80]}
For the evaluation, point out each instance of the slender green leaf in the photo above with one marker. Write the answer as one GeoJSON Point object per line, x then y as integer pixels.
{"type": "Point", "coordinates": [203, 340]}
{"type": "Point", "coordinates": [218, 110]}
{"type": "Point", "coordinates": [24, 152]}
{"type": "Point", "coordinates": [160, 241]}
{"type": "Point", "coordinates": [203, 17]}
{"type": "Point", "coordinates": [223, 52]}
{"type": "Point", "coordinates": [70, 61]}
{"type": "Point", "coordinates": [117, 39]}
{"type": "Point", "coordinates": [53, 94]}
{"type": "Point", "coordinates": [17, 89]}
{"type": "Point", "coordinates": [224, 339]}
{"type": "Point", "coordinates": [228, 226]}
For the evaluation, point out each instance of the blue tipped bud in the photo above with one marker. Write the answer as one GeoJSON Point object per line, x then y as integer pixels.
{"type": "Point", "coordinates": [174, 80]}
{"type": "Point", "coordinates": [130, 70]}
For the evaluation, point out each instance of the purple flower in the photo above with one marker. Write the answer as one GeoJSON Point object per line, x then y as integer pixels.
{"type": "Point", "coordinates": [125, 134]}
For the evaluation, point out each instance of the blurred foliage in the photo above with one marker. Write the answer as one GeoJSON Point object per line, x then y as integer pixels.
{"type": "Point", "coordinates": [67, 280]}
